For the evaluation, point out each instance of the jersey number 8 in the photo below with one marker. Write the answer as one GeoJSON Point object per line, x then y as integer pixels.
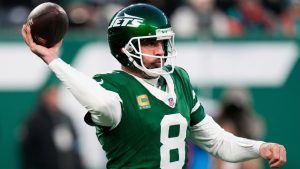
{"type": "Point", "coordinates": [172, 151]}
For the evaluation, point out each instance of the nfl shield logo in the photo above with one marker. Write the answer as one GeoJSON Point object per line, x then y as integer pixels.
{"type": "Point", "coordinates": [171, 102]}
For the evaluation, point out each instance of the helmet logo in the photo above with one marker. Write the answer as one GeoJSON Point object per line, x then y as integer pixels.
{"type": "Point", "coordinates": [126, 20]}
{"type": "Point", "coordinates": [163, 34]}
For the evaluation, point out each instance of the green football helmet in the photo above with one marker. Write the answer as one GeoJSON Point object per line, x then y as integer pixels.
{"type": "Point", "coordinates": [134, 25]}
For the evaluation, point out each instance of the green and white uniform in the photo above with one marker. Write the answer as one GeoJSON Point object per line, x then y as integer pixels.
{"type": "Point", "coordinates": [139, 125]}
{"type": "Point", "coordinates": [148, 129]}
{"type": "Point", "coordinates": [155, 124]}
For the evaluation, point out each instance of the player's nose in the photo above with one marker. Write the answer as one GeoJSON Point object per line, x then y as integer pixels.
{"type": "Point", "coordinates": [159, 50]}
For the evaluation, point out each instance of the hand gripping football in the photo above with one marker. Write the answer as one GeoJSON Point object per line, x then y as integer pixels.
{"type": "Point", "coordinates": [49, 23]}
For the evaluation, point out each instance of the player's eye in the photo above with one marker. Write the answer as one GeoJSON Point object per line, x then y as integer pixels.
{"type": "Point", "coordinates": [149, 42]}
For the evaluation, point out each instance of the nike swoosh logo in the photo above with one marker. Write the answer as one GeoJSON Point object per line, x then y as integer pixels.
{"type": "Point", "coordinates": [101, 82]}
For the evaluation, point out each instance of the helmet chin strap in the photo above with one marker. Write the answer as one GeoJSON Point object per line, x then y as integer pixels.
{"type": "Point", "coordinates": [146, 71]}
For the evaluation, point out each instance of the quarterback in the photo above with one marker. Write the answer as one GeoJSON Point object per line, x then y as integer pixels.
{"type": "Point", "coordinates": [145, 113]}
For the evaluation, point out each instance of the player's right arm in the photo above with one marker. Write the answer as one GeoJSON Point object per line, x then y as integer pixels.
{"type": "Point", "coordinates": [103, 105]}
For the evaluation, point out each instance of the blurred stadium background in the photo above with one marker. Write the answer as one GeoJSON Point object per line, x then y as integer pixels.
{"type": "Point", "coordinates": [234, 43]}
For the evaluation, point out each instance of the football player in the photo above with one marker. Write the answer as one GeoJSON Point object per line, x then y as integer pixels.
{"type": "Point", "coordinates": [145, 113]}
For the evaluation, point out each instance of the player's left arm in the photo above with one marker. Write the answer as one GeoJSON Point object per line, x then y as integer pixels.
{"type": "Point", "coordinates": [206, 133]}
{"type": "Point", "coordinates": [222, 144]}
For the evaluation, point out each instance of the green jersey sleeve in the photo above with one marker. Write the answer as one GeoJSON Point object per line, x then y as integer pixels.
{"type": "Point", "coordinates": [197, 110]}
{"type": "Point", "coordinates": [105, 83]}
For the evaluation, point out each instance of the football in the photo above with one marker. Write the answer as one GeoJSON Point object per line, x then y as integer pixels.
{"type": "Point", "coordinates": [49, 23]}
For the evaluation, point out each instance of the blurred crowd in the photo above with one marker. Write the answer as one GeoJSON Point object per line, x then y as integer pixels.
{"type": "Point", "coordinates": [48, 138]}
{"type": "Point", "coordinates": [190, 18]}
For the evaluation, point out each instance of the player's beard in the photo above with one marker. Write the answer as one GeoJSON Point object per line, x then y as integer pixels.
{"type": "Point", "coordinates": [156, 64]}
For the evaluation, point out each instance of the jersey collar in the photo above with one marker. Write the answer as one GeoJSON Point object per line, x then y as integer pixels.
{"type": "Point", "coordinates": [168, 96]}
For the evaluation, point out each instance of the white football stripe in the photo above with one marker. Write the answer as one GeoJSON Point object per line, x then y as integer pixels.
{"type": "Point", "coordinates": [238, 63]}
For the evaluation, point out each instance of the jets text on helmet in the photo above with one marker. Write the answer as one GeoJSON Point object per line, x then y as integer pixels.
{"type": "Point", "coordinates": [126, 20]}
